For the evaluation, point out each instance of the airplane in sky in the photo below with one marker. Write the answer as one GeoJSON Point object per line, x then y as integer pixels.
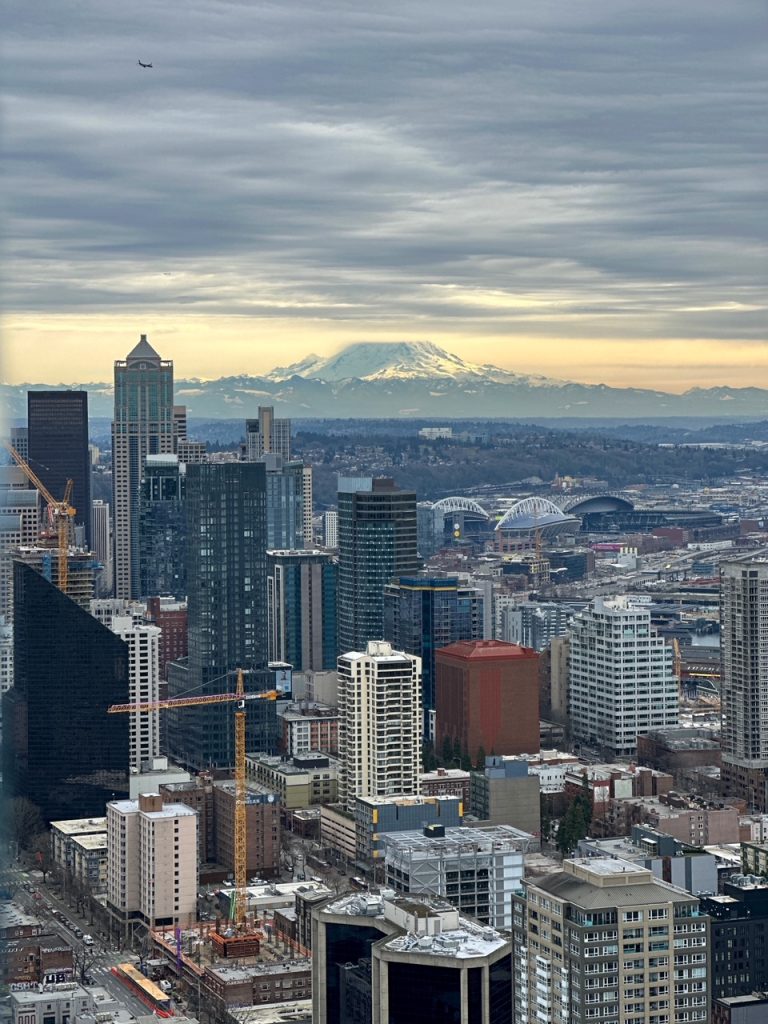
{"type": "Point", "coordinates": [143, 65]}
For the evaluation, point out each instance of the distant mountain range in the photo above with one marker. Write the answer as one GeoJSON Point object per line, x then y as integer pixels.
{"type": "Point", "coordinates": [419, 379]}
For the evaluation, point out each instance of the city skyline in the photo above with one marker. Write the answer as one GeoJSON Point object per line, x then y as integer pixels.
{"type": "Point", "coordinates": [574, 191]}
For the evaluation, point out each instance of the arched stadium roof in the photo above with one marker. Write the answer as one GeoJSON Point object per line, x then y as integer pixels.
{"type": "Point", "coordinates": [537, 514]}
{"type": "Point", "coordinates": [458, 504]}
{"type": "Point", "coordinates": [584, 504]}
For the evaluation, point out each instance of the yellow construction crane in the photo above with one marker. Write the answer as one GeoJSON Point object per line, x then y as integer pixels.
{"type": "Point", "coordinates": [240, 697]}
{"type": "Point", "coordinates": [61, 512]}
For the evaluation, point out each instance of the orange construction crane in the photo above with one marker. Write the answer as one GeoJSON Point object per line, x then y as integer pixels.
{"type": "Point", "coordinates": [61, 512]}
{"type": "Point", "coordinates": [240, 697]}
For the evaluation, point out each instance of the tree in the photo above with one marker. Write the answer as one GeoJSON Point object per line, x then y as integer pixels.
{"type": "Point", "coordinates": [41, 851]}
{"type": "Point", "coordinates": [480, 758]}
{"type": "Point", "coordinates": [84, 957]}
{"type": "Point", "coordinates": [23, 821]}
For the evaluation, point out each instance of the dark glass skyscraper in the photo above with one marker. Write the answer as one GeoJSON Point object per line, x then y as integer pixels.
{"type": "Point", "coordinates": [226, 515]}
{"type": "Point", "coordinates": [58, 447]}
{"type": "Point", "coordinates": [425, 613]}
{"type": "Point", "coordinates": [61, 749]}
{"type": "Point", "coordinates": [162, 528]}
{"type": "Point", "coordinates": [143, 425]}
{"type": "Point", "coordinates": [377, 541]}
{"type": "Point", "coordinates": [301, 589]}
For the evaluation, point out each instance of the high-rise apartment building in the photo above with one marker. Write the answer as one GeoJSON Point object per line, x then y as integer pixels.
{"type": "Point", "coordinates": [744, 679]}
{"type": "Point", "coordinates": [301, 608]}
{"type": "Point", "coordinates": [377, 542]}
{"type": "Point", "coordinates": [152, 864]}
{"type": "Point", "coordinates": [101, 538]}
{"type": "Point", "coordinates": [285, 502]}
{"type": "Point", "coordinates": [6, 658]}
{"type": "Point", "coordinates": [162, 528]}
{"type": "Point", "coordinates": [487, 698]}
{"type": "Point", "coordinates": [60, 747]}
{"type": "Point", "coordinates": [19, 527]}
{"type": "Point", "coordinates": [266, 434]}
{"type": "Point", "coordinates": [424, 613]}
{"type": "Point", "coordinates": [331, 529]}
{"type": "Point", "coordinates": [535, 624]}
{"type": "Point", "coordinates": [380, 723]}
{"type": "Point", "coordinates": [622, 677]}
{"type": "Point", "coordinates": [226, 509]}
{"type": "Point", "coordinates": [58, 447]}
{"type": "Point", "coordinates": [143, 686]}
{"type": "Point", "coordinates": [603, 939]}
{"type": "Point", "coordinates": [143, 425]}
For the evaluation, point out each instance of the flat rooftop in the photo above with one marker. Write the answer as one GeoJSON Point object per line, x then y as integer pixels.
{"type": "Point", "coordinates": [493, 839]}
{"type": "Point", "coordinates": [80, 826]}
{"type": "Point", "coordinates": [97, 841]}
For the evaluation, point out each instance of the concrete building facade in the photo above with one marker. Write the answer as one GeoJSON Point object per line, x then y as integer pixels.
{"type": "Point", "coordinates": [380, 723]}
{"type": "Point", "coordinates": [622, 677]}
{"type": "Point", "coordinates": [603, 934]}
{"type": "Point", "coordinates": [744, 654]}
{"type": "Point", "coordinates": [152, 863]}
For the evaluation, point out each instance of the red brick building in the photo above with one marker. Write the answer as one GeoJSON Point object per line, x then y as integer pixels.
{"type": "Point", "coordinates": [487, 697]}
{"type": "Point", "coordinates": [171, 617]}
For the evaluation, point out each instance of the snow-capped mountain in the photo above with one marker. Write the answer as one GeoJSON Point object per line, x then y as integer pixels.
{"type": "Point", "coordinates": [402, 360]}
{"type": "Point", "coordinates": [419, 380]}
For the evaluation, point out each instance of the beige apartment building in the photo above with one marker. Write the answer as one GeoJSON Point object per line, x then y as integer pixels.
{"type": "Point", "coordinates": [604, 939]}
{"type": "Point", "coordinates": [380, 728]}
{"type": "Point", "coordinates": [152, 863]}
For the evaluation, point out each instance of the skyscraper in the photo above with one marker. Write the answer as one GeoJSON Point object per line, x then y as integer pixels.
{"type": "Point", "coordinates": [162, 528]}
{"type": "Point", "coordinates": [301, 594]}
{"type": "Point", "coordinates": [226, 512]}
{"type": "Point", "coordinates": [267, 435]}
{"type": "Point", "coordinates": [285, 502]}
{"type": "Point", "coordinates": [143, 425]}
{"type": "Point", "coordinates": [622, 677]}
{"type": "Point", "coordinates": [61, 749]}
{"type": "Point", "coordinates": [377, 541]}
{"type": "Point", "coordinates": [58, 447]}
{"type": "Point", "coordinates": [424, 613]}
{"type": "Point", "coordinates": [101, 541]}
{"type": "Point", "coordinates": [744, 679]}
{"type": "Point", "coordinates": [487, 698]}
{"type": "Point", "coordinates": [380, 723]}
{"type": "Point", "coordinates": [143, 644]}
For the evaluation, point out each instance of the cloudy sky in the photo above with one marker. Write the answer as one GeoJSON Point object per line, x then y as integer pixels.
{"type": "Point", "coordinates": [573, 188]}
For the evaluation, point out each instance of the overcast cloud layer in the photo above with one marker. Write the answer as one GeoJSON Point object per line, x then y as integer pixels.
{"type": "Point", "coordinates": [571, 170]}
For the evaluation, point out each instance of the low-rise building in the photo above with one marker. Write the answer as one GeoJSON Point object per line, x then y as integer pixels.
{"type": "Point", "coordinates": [254, 984]}
{"type": "Point", "coordinates": [63, 834]}
{"type": "Point", "coordinates": [375, 816]}
{"type": "Point", "coordinates": [505, 794]}
{"type": "Point", "coordinates": [475, 869]}
{"type": "Point", "coordinates": [447, 782]}
{"type": "Point", "coordinates": [89, 862]}
{"type": "Point", "coordinates": [670, 860]}
{"type": "Point", "coordinates": [262, 822]}
{"type": "Point", "coordinates": [693, 821]}
{"type": "Point", "coordinates": [300, 781]}
{"type": "Point", "coordinates": [50, 1004]}
{"type": "Point", "coordinates": [309, 726]}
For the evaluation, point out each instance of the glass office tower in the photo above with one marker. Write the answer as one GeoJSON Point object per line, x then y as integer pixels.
{"type": "Point", "coordinates": [61, 749]}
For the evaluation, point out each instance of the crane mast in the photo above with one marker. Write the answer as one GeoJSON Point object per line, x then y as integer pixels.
{"type": "Point", "coordinates": [239, 697]}
{"type": "Point", "coordinates": [61, 510]}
